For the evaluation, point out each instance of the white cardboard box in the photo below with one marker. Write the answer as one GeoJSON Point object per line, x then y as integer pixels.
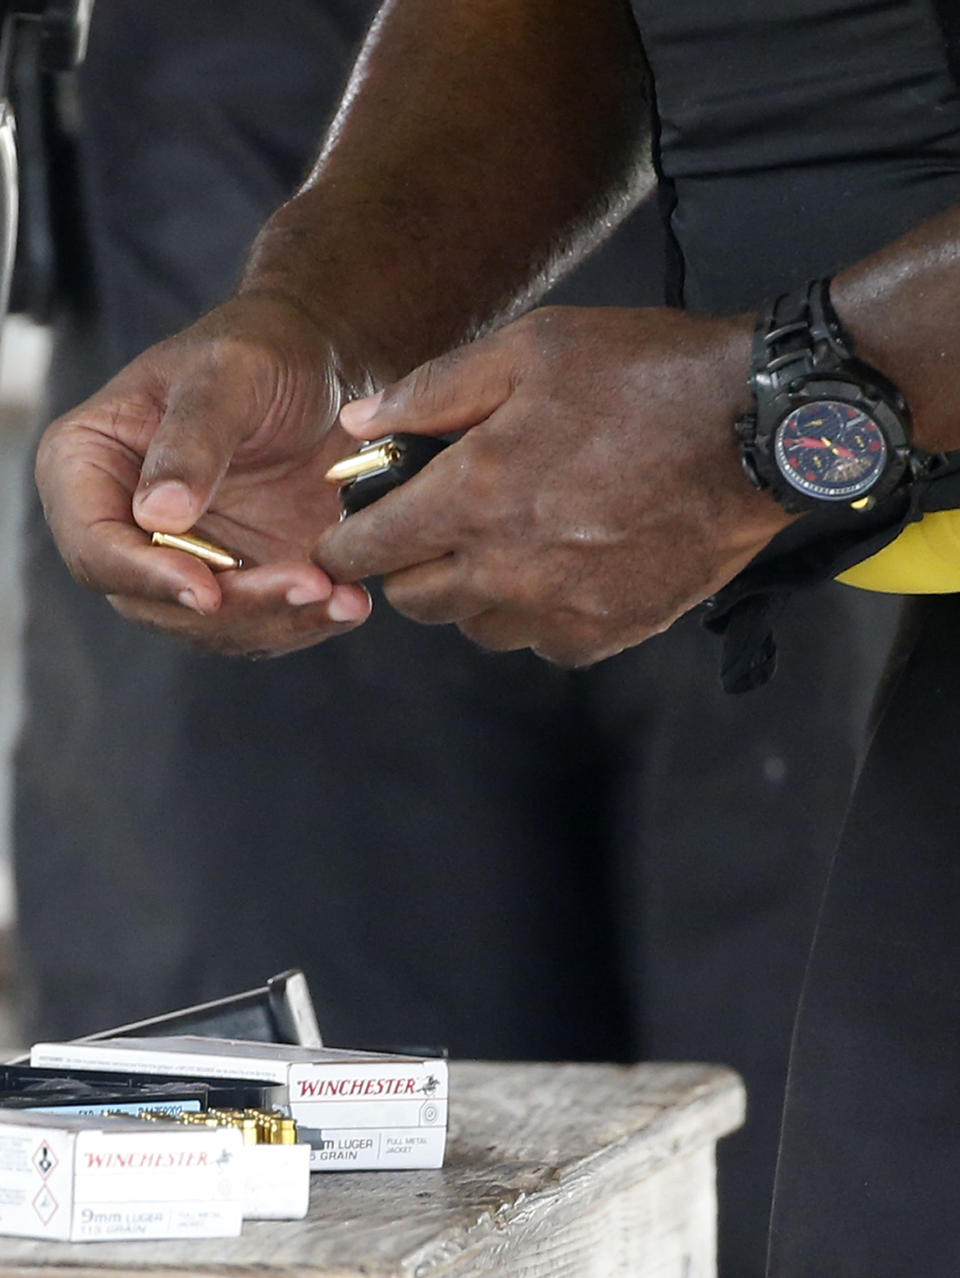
{"type": "Point", "coordinates": [359, 1110]}
{"type": "Point", "coordinates": [276, 1181]}
{"type": "Point", "coordinates": [79, 1179]}
{"type": "Point", "coordinates": [275, 1178]}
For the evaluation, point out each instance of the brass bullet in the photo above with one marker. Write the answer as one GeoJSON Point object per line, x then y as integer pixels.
{"type": "Point", "coordinates": [371, 458]}
{"type": "Point", "coordinates": [211, 554]}
{"type": "Point", "coordinates": [288, 1132]}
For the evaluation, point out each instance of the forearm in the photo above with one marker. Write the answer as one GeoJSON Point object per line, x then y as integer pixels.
{"type": "Point", "coordinates": [902, 306]}
{"type": "Point", "coordinates": [479, 147]}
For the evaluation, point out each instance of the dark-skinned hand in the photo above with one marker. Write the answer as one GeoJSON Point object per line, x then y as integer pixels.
{"type": "Point", "coordinates": [227, 428]}
{"type": "Point", "coordinates": [595, 496]}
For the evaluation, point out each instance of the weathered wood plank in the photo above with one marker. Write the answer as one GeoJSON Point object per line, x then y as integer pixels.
{"type": "Point", "coordinates": [567, 1170]}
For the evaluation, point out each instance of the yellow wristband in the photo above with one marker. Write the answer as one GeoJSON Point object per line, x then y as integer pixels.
{"type": "Point", "coordinates": [923, 560]}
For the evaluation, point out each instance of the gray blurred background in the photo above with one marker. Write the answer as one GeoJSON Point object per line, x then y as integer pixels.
{"type": "Point", "coordinates": [24, 354]}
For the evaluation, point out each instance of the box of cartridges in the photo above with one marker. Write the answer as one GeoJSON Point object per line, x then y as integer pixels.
{"type": "Point", "coordinates": [83, 1179]}
{"type": "Point", "coordinates": [358, 1110]}
{"type": "Point", "coordinates": [383, 1114]}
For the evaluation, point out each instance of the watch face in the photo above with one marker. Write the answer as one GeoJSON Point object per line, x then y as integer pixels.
{"type": "Point", "coordinates": [830, 450]}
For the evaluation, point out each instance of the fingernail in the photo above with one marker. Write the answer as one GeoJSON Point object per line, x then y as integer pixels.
{"type": "Point", "coordinates": [347, 606]}
{"type": "Point", "coordinates": [360, 411]}
{"type": "Point", "coordinates": [189, 600]}
{"type": "Point", "coordinates": [299, 596]}
{"type": "Point", "coordinates": [169, 500]}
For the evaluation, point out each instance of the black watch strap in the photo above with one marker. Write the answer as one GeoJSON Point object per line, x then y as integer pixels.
{"type": "Point", "coordinates": [798, 334]}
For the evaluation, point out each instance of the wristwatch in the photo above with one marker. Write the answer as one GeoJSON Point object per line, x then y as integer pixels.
{"type": "Point", "coordinates": [827, 428]}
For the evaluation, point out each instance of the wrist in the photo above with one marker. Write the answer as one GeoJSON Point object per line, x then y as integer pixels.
{"type": "Point", "coordinates": [899, 307]}
{"type": "Point", "coordinates": [760, 516]}
{"type": "Point", "coordinates": [348, 370]}
{"type": "Point", "coordinates": [291, 264]}
{"type": "Point", "coordinates": [371, 291]}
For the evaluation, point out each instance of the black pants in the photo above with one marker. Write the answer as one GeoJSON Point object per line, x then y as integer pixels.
{"type": "Point", "coordinates": [868, 1176]}
{"type": "Point", "coordinates": [459, 848]}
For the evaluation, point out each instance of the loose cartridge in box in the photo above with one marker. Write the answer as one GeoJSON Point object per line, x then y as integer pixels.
{"type": "Point", "coordinates": [359, 1110]}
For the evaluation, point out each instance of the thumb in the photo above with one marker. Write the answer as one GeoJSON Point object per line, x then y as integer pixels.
{"type": "Point", "coordinates": [206, 419]}
{"type": "Point", "coordinates": [452, 393]}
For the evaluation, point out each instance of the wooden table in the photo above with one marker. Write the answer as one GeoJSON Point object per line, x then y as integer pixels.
{"type": "Point", "coordinates": [559, 1170]}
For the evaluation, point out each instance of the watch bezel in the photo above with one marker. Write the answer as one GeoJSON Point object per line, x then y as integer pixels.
{"type": "Point", "coordinates": [866, 397]}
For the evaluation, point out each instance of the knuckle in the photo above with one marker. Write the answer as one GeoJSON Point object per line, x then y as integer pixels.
{"type": "Point", "coordinates": [166, 458]}
{"type": "Point", "coordinates": [504, 574]}
{"type": "Point", "coordinates": [51, 455]}
{"type": "Point", "coordinates": [564, 656]}
{"type": "Point", "coordinates": [428, 386]}
{"type": "Point", "coordinates": [265, 635]}
{"type": "Point", "coordinates": [47, 450]}
{"type": "Point", "coordinates": [513, 511]}
{"type": "Point", "coordinates": [174, 622]}
{"type": "Point", "coordinates": [496, 582]}
{"type": "Point", "coordinates": [541, 328]}
{"type": "Point", "coordinates": [143, 615]}
{"type": "Point", "coordinates": [397, 592]}
{"type": "Point", "coordinates": [476, 479]}
{"type": "Point", "coordinates": [241, 649]}
{"type": "Point", "coordinates": [571, 647]}
{"type": "Point", "coordinates": [414, 602]}
{"type": "Point", "coordinates": [488, 497]}
{"type": "Point", "coordinates": [489, 632]}
{"type": "Point", "coordinates": [81, 571]}
{"type": "Point", "coordinates": [82, 562]}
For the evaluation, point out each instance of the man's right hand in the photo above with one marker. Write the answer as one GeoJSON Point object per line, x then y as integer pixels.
{"type": "Point", "coordinates": [226, 428]}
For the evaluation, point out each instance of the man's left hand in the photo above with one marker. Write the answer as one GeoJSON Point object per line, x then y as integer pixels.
{"type": "Point", "coordinates": [595, 496]}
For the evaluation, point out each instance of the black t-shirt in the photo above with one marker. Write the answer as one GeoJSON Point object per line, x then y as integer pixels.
{"type": "Point", "coordinates": [797, 135]}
